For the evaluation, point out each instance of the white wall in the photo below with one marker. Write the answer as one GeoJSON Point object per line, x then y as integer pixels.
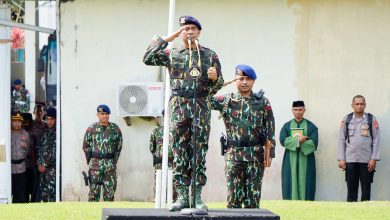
{"type": "Point", "coordinates": [323, 53]}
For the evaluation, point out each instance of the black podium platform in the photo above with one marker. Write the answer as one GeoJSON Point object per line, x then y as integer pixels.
{"type": "Point", "coordinates": [124, 213]}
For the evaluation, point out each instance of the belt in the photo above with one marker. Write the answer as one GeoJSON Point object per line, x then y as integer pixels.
{"type": "Point", "coordinates": [245, 143]}
{"type": "Point", "coordinates": [17, 161]}
{"type": "Point", "coordinates": [20, 102]}
{"type": "Point", "coordinates": [189, 93]}
{"type": "Point", "coordinates": [102, 156]}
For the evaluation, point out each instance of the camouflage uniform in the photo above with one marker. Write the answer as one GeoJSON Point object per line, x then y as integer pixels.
{"type": "Point", "coordinates": [102, 146]}
{"type": "Point", "coordinates": [38, 129]}
{"type": "Point", "coordinates": [47, 158]}
{"type": "Point", "coordinates": [182, 104]}
{"type": "Point", "coordinates": [156, 148]}
{"type": "Point", "coordinates": [246, 119]}
{"type": "Point", "coordinates": [20, 100]}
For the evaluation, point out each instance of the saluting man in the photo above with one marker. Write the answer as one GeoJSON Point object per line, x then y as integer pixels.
{"type": "Point", "coordinates": [195, 76]}
{"type": "Point", "coordinates": [102, 146]}
{"type": "Point", "coordinates": [250, 141]}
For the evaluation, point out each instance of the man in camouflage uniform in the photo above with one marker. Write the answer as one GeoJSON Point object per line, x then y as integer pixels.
{"type": "Point", "coordinates": [47, 158]}
{"type": "Point", "coordinates": [20, 98]}
{"type": "Point", "coordinates": [20, 143]}
{"type": "Point", "coordinates": [102, 146]}
{"type": "Point", "coordinates": [38, 129]}
{"type": "Point", "coordinates": [249, 123]}
{"type": "Point", "coordinates": [195, 76]}
{"type": "Point", "coordinates": [156, 148]}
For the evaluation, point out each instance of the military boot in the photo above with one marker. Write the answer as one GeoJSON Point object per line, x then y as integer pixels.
{"type": "Point", "coordinates": [182, 199]}
{"type": "Point", "coordinates": [199, 204]}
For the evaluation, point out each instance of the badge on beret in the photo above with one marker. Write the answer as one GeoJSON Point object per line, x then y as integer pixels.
{"type": "Point", "coordinates": [239, 72]}
{"type": "Point", "coordinates": [195, 72]}
{"type": "Point", "coordinates": [100, 109]}
{"type": "Point", "coordinates": [182, 20]}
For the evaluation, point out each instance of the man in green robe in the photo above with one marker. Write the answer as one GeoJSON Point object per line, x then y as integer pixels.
{"type": "Point", "coordinates": [300, 138]}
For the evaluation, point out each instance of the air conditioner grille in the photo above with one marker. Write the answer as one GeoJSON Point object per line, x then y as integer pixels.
{"type": "Point", "coordinates": [133, 99]}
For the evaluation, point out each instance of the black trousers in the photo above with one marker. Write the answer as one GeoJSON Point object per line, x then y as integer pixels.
{"type": "Point", "coordinates": [356, 172]}
{"type": "Point", "coordinates": [19, 187]}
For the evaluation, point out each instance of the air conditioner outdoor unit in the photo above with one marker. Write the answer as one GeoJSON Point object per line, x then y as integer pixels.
{"type": "Point", "coordinates": [140, 99]}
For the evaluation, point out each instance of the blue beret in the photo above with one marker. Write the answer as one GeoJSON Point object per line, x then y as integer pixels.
{"type": "Point", "coordinates": [17, 82]}
{"type": "Point", "coordinates": [183, 20]}
{"type": "Point", "coordinates": [245, 70]}
{"type": "Point", "coordinates": [51, 112]}
{"type": "Point", "coordinates": [103, 108]}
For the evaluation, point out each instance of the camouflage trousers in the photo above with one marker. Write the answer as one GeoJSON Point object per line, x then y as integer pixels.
{"type": "Point", "coordinates": [180, 137]}
{"type": "Point", "coordinates": [103, 176]}
{"type": "Point", "coordinates": [48, 185]}
{"type": "Point", "coordinates": [244, 181]}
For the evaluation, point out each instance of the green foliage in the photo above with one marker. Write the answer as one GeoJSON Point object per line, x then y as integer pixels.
{"type": "Point", "coordinates": [286, 209]}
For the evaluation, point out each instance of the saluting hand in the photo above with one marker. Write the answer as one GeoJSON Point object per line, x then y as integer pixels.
{"type": "Point", "coordinates": [174, 35]}
{"type": "Point", "coordinates": [212, 74]}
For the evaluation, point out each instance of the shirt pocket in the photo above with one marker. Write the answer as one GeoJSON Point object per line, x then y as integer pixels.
{"type": "Point", "coordinates": [177, 70]}
{"type": "Point", "coordinates": [364, 130]}
{"type": "Point", "coordinates": [351, 129]}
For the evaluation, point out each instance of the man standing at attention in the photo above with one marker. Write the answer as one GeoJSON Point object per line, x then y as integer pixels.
{"type": "Point", "coordinates": [195, 76]}
{"type": "Point", "coordinates": [358, 149]}
{"type": "Point", "coordinates": [102, 147]}
{"type": "Point", "coordinates": [300, 138]}
{"type": "Point", "coordinates": [47, 158]}
{"type": "Point", "coordinates": [250, 126]}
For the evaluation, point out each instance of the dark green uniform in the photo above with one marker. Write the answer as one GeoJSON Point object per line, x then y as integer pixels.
{"type": "Point", "coordinates": [102, 146]}
{"type": "Point", "coordinates": [47, 158]}
{"type": "Point", "coordinates": [248, 121]}
{"type": "Point", "coordinates": [156, 148]}
{"type": "Point", "coordinates": [182, 103]}
{"type": "Point", "coordinates": [299, 163]}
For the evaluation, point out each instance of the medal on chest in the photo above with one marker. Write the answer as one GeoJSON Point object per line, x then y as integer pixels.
{"type": "Point", "coordinates": [194, 71]}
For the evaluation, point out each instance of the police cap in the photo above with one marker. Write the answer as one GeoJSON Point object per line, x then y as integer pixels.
{"type": "Point", "coordinates": [17, 116]}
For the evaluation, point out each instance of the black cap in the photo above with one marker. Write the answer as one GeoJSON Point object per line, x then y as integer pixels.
{"type": "Point", "coordinates": [298, 104]}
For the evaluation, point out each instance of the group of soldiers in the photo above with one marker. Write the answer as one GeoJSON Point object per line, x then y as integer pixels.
{"type": "Point", "coordinates": [248, 146]}
{"type": "Point", "coordinates": [249, 143]}
{"type": "Point", "coordinates": [33, 149]}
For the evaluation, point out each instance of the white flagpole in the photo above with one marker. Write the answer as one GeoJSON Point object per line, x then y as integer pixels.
{"type": "Point", "coordinates": [166, 118]}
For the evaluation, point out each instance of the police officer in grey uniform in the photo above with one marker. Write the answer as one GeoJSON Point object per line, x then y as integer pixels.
{"type": "Point", "coordinates": [358, 149]}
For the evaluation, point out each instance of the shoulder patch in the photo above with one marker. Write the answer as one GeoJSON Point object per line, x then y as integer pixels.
{"type": "Point", "coordinates": [375, 123]}
{"type": "Point", "coordinates": [268, 107]}
{"type": "Point", "coordinates": [220, 98]}
{"type": "Point", "coordinates": [167, 52]}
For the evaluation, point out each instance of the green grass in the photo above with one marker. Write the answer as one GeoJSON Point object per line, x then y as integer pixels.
{"type": "Point", "coordinates": [286, 209]}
